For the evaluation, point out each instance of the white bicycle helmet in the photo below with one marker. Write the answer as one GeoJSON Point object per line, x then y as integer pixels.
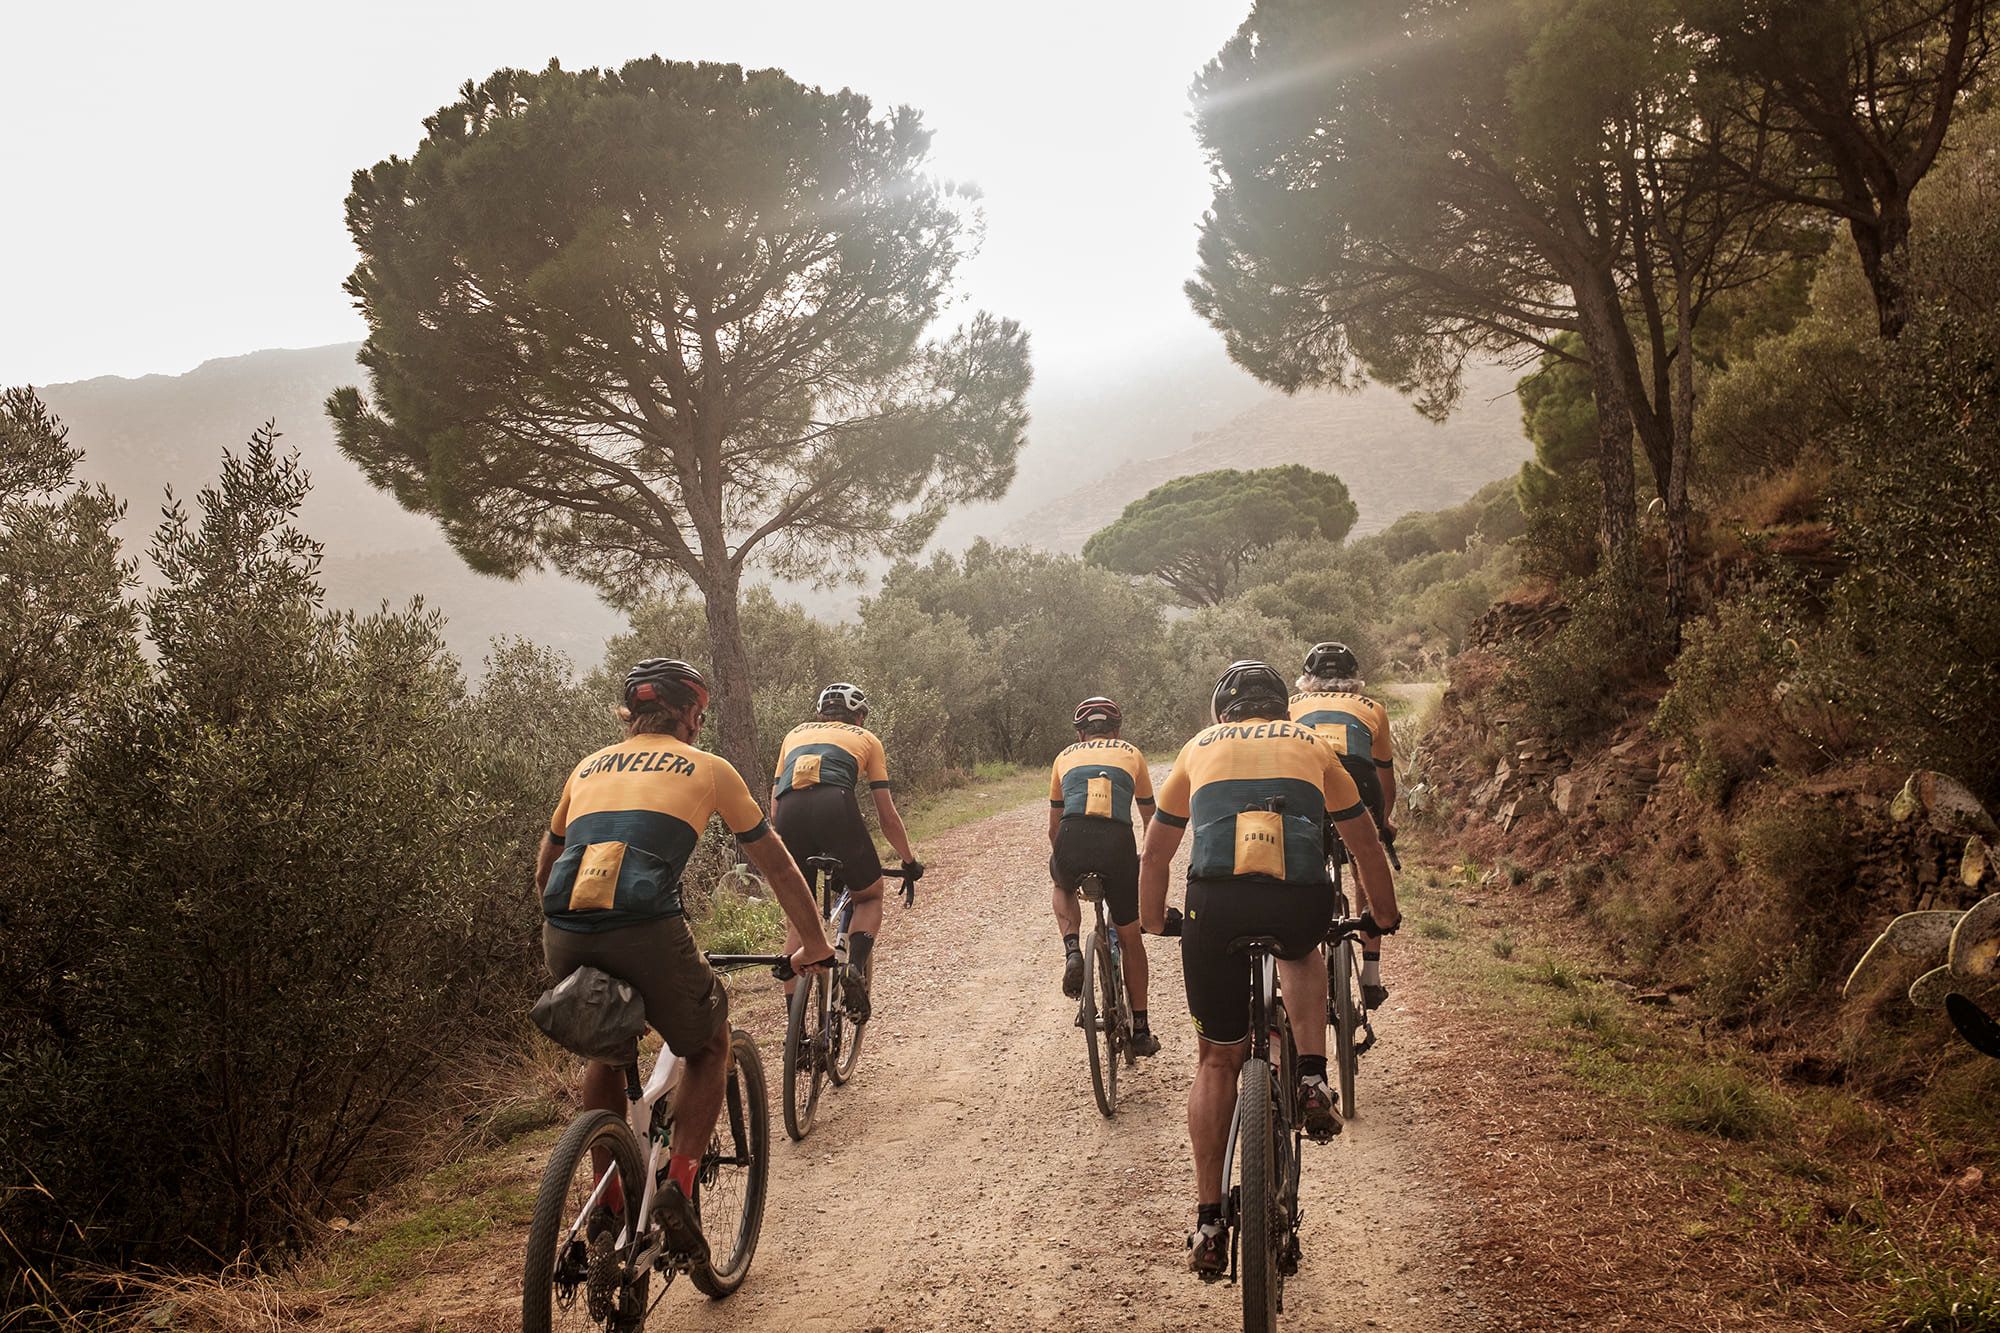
{"type": "Point", "coordinates": [842, 697]}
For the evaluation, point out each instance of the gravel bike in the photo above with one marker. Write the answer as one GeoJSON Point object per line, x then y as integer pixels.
{"type": "Point", "coordinates": [1353, 1034]}
{"type": "Point", "coordinates": [822, 1040]}
{"type": "Point", "coordinates": [587, 1264]}
{"type": "Point", "coordinates": [1104, 1011]}
{"type": "Point", "coordinates": [1260, 1164]}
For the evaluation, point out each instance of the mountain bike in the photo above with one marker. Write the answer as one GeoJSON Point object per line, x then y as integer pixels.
{"type": "Point", "coordinates": [1260, 1164]}
{"type": "Point", "coordinates": [586, 1265]}
{"type": "Point", "coordinates": [822, 1040]}
{"type": "Point", "coordinates": [1353, 1034]}
{"type": "Point", "coordinates": [1104, 1011]}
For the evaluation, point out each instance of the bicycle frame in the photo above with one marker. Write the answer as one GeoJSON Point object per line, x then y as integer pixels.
{"type": "Point", "coordinates": [640, 1101]}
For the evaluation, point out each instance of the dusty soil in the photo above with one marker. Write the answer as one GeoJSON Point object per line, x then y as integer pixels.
{"type": "Point", "coordinates": [964, 1179]}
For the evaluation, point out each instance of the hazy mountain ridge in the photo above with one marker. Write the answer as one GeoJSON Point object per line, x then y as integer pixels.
{"type": "Point", "coordinates": [1393, 461]}
{"type": "Point", "coordinates": [141, 436]}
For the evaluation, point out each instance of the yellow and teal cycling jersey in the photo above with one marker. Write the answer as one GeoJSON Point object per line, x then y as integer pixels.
{"type": "Point", "coordinates": [1258, 794]}
{"type": "Point", "coordinates": [628, 820]}
{"type": "Point", "coordinates": [1354, 724]}
{"type": "Point", "coordinates": [1100, 779]}
{"type": "Point", "coordinates": [831, 754]}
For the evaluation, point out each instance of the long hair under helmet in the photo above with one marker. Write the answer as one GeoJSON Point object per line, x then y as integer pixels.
{"type": "Point", "coordinates": [660, 683]}
{"type": "Point", "coordinates": [1243, 685]}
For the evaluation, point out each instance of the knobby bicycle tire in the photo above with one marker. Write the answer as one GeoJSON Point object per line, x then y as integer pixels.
{"type": "Point", "coordinates": [1110, 1007]}
{"type": "Point", "coordinates": [805, 1054]}
{"type": "Point", "coordinates": [1341, 978]}
{"type": "Point", "coordinates": [1260, 1231]}
{"type": "Point", "coordinates": [553, 1202]}
{"type": "Point", "coordinates": [1103, 1070]}
{"type": "Point", "coordinates": [742, 1132]}
{"type": "Point", "coordinates": [844, 1034]}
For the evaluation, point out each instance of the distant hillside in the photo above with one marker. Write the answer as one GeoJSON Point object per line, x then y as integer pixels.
{"type": "Point", "coordinates": [1393, 461]}
{"type": "Point", "coordinates": [141, 436]}
{"type": "Point", "coordinates": [1098, 437]}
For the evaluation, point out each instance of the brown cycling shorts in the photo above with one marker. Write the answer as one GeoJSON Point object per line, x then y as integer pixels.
{"type": "Point", "coordinates": [685, 1001]}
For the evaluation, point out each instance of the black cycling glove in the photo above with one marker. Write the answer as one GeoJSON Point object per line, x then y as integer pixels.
{"type": "Point", "coordinates": [1172, 927]}
{"type": "Point", "coordinates": [912, 871]}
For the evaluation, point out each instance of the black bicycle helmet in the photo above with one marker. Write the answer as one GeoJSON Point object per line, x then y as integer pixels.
{"type": "Point", "coordinates": [1097, 708]}
{"type": "Point", "coordinates": [663, 682]}
{"type": "Point", "coordinates": [1246, 682]}
{"type": "Point", "coordinates": [841, 697]}
{"type": "Point", "coordinates": [1332, 661]}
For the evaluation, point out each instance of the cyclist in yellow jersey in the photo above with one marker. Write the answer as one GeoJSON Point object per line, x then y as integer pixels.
{"type": "Point", "coordinates": [1093, 787]}
{"type": "Point", "coordinates": [821, 765]}
{"type": "Point", "coordinates": [1330, 701]}
{"type": "Point", "coordinates": [609, 872]}
{"type": "Point", "coordinates": [1259, 790]}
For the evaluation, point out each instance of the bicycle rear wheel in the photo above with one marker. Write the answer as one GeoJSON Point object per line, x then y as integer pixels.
{"type": "Point", "coordinates": [844, 1034]}
{"type": "Point", "coordinates": [1343, 982]}
{"type": "Point", "coordinates": [1102, 1067]}
{"type": "Point", "coordinates": [735, 1175]}
{"type": "Point", "coordinates": [1110, 1017]}
{"type": "Point", "coordinates": [556, 1290]}
{"type": "Point", "coordinates": [1261, 1229]}
{"type": "Point", "coordinates": [805, 1054]}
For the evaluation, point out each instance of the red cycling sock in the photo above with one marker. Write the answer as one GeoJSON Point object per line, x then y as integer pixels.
{"type": "Point", "coordinates": [614, 1194]}
{"type": "Point", "coordinates": [680, 1170]}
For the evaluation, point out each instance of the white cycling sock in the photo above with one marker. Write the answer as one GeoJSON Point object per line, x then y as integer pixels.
{"type": "Point", "coordinates": [1371, 971]}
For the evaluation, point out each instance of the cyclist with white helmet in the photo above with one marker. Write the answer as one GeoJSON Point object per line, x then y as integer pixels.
{"type": "Point", "coordinates": [821, 765]}
{"type": "Point", "coordinates": [1331, 702]}
{"type": "Point", "coordinates": [1094, 786]}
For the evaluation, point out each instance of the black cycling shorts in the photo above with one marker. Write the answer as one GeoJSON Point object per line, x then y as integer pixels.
{"type": "Point", "coordinates": [826, 821]}
{"type": "Point", "coordinates": [1219, 911]}
{"type": "Point", "coordinates": [1104, 846]}
{"type": "Point", "coordinates": [685, 1001]}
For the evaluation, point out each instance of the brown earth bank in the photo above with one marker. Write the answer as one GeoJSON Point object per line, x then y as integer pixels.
{"type": "Point", "coordinates": [964, 1179]}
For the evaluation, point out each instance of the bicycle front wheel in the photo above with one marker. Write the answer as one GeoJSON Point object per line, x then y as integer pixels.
{"type": "Point", "coordinates": [1262, 1232]}
{"type": "Point", "coordinates": [805, 1054]}
{"type": "Point", "coordinates": [1343, 981]}
{"type": "Point", "coordinates": [735, 1174]}
{"type": "Point", "coordinates": [557, 1290]}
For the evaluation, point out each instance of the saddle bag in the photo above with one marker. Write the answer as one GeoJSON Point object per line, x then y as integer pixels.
{"type": "Point", "coordinates": [593, 1014]}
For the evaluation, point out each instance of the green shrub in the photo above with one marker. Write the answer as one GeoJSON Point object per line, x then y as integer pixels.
{"type": "Point", "coordinates": [1572, 684]}
{"type": "Point", "coordinates": [1503, 945]}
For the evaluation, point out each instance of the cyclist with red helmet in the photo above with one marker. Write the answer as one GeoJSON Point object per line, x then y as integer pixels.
{"type": "Point", "coordinates": [1093, 787]}
{"type": "Point", "coordinates": [822, 763]}
{"type": "Point", "coordinates": [609, 872]}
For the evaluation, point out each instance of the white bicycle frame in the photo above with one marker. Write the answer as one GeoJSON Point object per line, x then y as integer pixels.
{"type": "Point", "coordinates": [666, 1076]}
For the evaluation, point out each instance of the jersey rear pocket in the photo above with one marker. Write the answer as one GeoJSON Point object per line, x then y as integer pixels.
{"type": "Point", "coordinates": [1260, 843]}
{"type": "Point", "coordinates": [1097, 797]}
{"type": "Point", "coordinates": [805, 771]}
{"type": "Point", "coordinates": [596, 885]}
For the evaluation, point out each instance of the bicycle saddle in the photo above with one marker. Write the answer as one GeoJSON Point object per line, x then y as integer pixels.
{"type": "Point", "coordinates": [1247, 943]}
{"type": "Point", "coordinates": [831, 864]}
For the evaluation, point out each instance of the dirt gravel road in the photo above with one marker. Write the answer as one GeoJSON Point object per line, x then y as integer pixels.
{"type": "Point", "coordinates": [965, 1180]}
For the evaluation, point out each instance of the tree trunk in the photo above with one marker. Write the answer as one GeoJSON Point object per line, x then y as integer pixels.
{"type": "Point", "coordinates": [1675, 490]}
{"type": "Point", "coordinates": [1883, 245]}
{"type": "Point", "coordinates": [731, 682]}
{"type": "Point", "coordinates": [1618, 518]}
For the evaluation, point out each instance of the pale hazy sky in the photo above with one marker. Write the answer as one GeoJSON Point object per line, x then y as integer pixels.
{"type": "Point", "coordinates": [173, 172]}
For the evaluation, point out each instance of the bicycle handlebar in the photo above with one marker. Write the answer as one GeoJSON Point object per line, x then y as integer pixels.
{"type": "Point", "coordinates": [779, 963]}
{"type": "Point", "coordinates": [1364, 924]}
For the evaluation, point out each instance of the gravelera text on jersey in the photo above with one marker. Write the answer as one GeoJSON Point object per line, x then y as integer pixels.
{"type": "Point", "coordinates": [656, 761]}
{"type": "Point", "coordinates": [1256, 731]}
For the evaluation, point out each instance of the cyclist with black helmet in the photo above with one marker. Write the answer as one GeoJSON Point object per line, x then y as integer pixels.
{"type": "Point", "coordinates": [609, 872]}
{"type": "Point", "coordinates": [821, 764]}
{"type": "Point", "coordinates": [1331, 702]}
{"type": "Point", "coordinates": [1093, 787]}
{"type": "Point", "coordinates": [1259, 790]}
